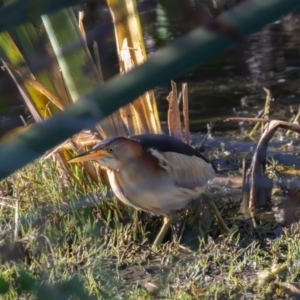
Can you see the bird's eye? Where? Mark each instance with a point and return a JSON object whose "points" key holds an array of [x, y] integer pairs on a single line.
{"points": [[110, 149]]}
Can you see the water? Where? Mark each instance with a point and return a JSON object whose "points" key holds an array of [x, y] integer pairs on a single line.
{"points": [[270, 59], [216, 89]]}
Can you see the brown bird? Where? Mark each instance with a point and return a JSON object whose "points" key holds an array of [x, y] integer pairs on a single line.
{"points": [[155, 173]]}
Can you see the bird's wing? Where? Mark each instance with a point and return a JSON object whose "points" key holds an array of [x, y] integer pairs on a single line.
{"points": [[188, 172], [165, 143]]}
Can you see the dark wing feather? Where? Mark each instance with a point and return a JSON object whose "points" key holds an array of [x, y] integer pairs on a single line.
{"points": [[166, 143], [108, 141]]}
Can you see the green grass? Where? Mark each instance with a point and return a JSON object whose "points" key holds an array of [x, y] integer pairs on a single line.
{"points": [[74, 242]]}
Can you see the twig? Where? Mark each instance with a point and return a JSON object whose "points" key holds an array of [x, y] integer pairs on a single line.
{"points": [[185, 101], [240, 119], [295, 120], [266, 111]]}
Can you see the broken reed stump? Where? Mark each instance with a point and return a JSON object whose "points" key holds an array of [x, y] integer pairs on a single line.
{"points": [[174, 122], [174, 119]]}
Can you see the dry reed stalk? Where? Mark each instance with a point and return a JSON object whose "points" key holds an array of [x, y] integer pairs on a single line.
{"points": [[174, 123], [80, 24], [185, 102]]}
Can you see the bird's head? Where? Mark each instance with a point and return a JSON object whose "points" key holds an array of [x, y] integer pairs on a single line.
{"points": [[110, 153]]}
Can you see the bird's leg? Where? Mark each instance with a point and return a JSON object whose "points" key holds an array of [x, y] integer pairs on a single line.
{"points": [[176, 227], [162, 233], [215, 211]]}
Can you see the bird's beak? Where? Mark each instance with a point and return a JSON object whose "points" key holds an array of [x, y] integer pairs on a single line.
{"points": [[90, 155]]}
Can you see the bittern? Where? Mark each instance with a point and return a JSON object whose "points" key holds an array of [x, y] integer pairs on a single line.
{"points": [[155, 173]]}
